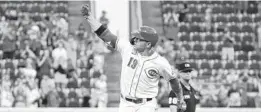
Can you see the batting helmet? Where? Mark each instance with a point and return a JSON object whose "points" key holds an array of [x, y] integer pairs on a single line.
{"points": [[147, 33]]}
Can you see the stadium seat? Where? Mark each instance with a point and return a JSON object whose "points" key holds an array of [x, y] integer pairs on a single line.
{"points": [[246, 47], [230, 65], [11, 7], [195, 27], [61, 9], [85, 83], [193, 55], [216, 2], [74, 103], [234, 28], [196, 37], [246, 18], [242, 56], [9, 64], [209, 37], [36, 17], [233, 18], [254, 65], [257, 18], [72, 83], [228, 2], [175, 47], [23, 8], [198, 47], [219, 47], [247, 28], [192, 2], [193, 10], [228, 9], [183, 28], [237, 38], [248, 38], [194, 65], [84, 74], [216, 9], [255, 57], [221, 18], [206, 74], [203, 9], [187, 46], [203, 55], [237, 47], [215, 56], [48, 8], [72, 94], [210, 47], [205, 65], [184, 37], [196, 18], [35, 8], [217, 65]]}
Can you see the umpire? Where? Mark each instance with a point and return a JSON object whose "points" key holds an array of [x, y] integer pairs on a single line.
{"points": [[190, 94]]}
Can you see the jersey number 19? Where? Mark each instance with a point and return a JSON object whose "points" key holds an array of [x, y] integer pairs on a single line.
{"points": [[132, 63]]}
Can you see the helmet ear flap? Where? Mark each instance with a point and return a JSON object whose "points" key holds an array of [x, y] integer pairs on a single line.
{"points": [[132, 41]]}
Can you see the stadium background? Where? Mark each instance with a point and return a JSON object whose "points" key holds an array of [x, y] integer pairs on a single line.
{"points": [[83, 69]]}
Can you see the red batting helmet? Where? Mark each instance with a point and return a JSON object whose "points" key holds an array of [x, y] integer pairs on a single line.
{"points": [[146, 33]]}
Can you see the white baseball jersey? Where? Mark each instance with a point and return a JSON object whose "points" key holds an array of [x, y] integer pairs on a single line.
{"points": [[140, 74]]}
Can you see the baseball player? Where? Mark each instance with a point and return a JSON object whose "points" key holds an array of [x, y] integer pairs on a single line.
{"points": [[191, 96], [142, 67]]}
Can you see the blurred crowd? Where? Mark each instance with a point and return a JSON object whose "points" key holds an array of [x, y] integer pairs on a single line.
{"points": [[42, 65], [226, 72]]}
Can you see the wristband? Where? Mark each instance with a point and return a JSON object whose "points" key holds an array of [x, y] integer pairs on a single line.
{"points": [[100, 30]]}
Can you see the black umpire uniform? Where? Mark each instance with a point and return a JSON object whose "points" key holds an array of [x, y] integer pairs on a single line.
{"points": [[191, 96]]}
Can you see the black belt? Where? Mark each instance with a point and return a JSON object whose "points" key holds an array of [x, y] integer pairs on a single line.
{"points": [[137, 100]]}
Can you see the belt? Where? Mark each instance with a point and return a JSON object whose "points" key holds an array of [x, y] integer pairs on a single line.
{"points": [[137, 100]]}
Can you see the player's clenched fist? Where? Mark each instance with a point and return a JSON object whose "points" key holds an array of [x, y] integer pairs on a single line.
{"points": [[86, 11], [181, 105]]}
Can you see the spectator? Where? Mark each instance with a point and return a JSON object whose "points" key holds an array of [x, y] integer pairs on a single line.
{"points": [[252, 8], [183, 9], [208, 19], [71, 46], [232, 76], [9, 46], [228, 48], [7, 98], [86, 97], [4, 25], [53, 98], [259, 35], [99, 93], [210, 99], [258, 96], [182, 55], [234, 96], [222, 96], [19, 93], [47, 84], [247, 46], [103, 19], [241, 6], [44, 65], [32, 94], [59, 53]]}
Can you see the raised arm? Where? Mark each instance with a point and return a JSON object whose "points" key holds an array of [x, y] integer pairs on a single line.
{"points": [[101, 31]]}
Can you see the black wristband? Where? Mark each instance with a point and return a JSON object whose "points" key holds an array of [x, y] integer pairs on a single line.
{"points": [[100, 30]]}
